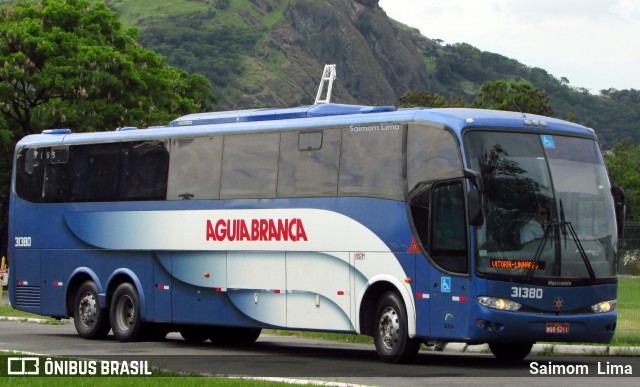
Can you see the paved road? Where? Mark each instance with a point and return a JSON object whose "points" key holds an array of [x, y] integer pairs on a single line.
{"points": [[275, 356]]}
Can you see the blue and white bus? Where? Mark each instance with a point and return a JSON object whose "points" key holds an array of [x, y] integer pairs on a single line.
{"points": [[411, 226]]}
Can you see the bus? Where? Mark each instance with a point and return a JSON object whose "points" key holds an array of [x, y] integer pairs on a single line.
{"points": [[407, 225]]}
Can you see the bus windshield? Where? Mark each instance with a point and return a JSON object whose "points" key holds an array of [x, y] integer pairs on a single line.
{"points": [[548, 208]]}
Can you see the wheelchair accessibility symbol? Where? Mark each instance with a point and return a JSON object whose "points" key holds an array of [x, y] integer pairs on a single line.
{"points": [[547, 142], [445, 284]]}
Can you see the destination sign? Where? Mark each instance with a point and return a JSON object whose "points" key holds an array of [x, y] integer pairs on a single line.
{"points": [[516, 264]]}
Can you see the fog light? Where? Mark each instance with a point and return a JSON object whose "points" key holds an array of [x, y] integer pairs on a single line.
{"points": [[483, 324]]}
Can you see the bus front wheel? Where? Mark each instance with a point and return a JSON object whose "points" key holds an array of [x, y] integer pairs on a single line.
{"points": [[391, 331], [90, 320], [510, 351], [124, 313]]}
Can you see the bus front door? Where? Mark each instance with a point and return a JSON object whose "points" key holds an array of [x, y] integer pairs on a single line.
{"points": [[448, 248]]}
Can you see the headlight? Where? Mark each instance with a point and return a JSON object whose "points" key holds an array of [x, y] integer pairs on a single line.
{"points": [[498, 303], [604, 306]]}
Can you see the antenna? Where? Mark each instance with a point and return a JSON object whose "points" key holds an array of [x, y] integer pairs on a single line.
{"points": [[518, 107], [328, 75]]}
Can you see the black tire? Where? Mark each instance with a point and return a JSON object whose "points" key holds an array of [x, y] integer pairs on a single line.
{"points": [[228, 335], [194, 334], [90, 320], [390, 332], [124, 314], [510, 351]]}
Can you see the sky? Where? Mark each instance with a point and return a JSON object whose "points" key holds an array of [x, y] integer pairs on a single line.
{"points": [[595, 44]]}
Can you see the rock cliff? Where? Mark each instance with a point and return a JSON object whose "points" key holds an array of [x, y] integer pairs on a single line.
{"points": [[376, 59]]}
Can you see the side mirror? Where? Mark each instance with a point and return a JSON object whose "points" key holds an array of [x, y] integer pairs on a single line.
{"points": [[474, 198], [474, 207], [620, 207], [475, 178]]}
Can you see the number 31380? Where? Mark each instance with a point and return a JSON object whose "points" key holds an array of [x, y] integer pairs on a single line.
{"points": [[23, 241], [520, 292]]}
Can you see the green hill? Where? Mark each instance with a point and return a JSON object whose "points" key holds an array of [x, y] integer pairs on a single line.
{"points": [[272, 52]]}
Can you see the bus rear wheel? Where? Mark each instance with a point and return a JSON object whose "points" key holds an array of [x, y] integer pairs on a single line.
{"points": [[124, 313], [90, 320], [391, 332], [510, 351]]}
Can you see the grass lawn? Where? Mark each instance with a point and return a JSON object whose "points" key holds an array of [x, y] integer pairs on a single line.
{"points": [[628, 328], [8, 311]]}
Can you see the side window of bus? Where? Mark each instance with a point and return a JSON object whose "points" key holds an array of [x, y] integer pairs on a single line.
{"points": [[433, 160], [448, 239], [30, 174], [119, 171], [94, 172], [250, 166], [97, 168], [371, 162], [432, 154], [195, 168], [58, 175], [144, 172], [309, 163]]}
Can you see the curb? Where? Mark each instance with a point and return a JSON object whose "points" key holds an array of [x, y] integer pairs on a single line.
{"points": [[24, 319], [33, 320], [552, 349]]}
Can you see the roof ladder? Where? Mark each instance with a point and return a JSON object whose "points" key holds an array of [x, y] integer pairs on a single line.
{"points": [[328, 75]]}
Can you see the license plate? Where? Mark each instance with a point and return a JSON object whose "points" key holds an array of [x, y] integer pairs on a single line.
{"points": [[557, 328]]}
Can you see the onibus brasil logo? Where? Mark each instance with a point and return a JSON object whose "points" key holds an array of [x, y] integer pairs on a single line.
{"points": [[36, 366]]}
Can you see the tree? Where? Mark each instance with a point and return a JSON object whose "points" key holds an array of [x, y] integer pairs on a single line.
{"points": [[498, 95], [513, 96], [68, 64], [623, 165], [65, 63], [415, 98]]}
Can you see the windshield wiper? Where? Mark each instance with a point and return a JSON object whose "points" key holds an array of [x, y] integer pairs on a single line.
{"points": [[563, 223], [539, 249], [567, 225]]}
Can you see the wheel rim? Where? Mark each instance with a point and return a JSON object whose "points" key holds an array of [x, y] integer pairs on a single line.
{"points": [[88, 310], [126, 313], [389, 328]]}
